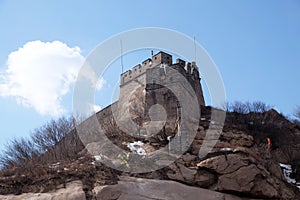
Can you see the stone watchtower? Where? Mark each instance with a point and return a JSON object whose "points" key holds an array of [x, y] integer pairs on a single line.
{"points": [[139, 89]]}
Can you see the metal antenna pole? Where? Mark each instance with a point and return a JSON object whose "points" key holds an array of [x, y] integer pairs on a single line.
{"points": [[195, 48], [122, 55]]}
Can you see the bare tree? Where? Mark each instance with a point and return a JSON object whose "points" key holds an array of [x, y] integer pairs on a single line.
{"points": [[55, 140], [47, 137], [239, 107], [246, 107], [18, 153], [226, 106], [259, 106], [297, 112], [296, 120]]}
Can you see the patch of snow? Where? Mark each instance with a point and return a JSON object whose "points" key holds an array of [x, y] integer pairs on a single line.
{"points": [[226, 149], [288, 167], [141, 152], [138, 143], [169, 138], [99, 158], [66, 169], [287, 170], [290, 180], [136, 147], [54, 165], [212, 122], [202, 118]]}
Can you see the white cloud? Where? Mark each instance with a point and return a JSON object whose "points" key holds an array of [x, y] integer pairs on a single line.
{"points": [[39, 74]]}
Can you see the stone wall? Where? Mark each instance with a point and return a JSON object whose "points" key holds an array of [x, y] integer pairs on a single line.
{"points": [[150, 83]]}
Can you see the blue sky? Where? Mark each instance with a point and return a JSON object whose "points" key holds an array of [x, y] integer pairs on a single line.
{"points": [[255, 44]]}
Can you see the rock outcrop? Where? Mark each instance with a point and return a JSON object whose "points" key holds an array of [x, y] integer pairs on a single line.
{"points": [[129, 188], [235, 165], [72, 191], [146, 189]]}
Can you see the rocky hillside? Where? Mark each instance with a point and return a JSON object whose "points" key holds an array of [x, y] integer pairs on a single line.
{"points": [[238, 167]]}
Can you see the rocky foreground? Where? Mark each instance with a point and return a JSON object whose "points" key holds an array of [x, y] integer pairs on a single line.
{"points": [[130, 188], [237, 167]]}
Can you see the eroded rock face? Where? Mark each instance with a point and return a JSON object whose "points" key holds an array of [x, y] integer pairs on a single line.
{"points": [[73, 191], [234, 171], [145, 189], [244, 180], [235, 165]]}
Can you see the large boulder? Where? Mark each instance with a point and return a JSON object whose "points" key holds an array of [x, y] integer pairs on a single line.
{"points": [[241, 174], [247, 180], [146, 189]]}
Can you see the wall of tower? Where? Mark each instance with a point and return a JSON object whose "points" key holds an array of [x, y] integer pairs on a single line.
{"points": [[138, 74], [151, 83]]}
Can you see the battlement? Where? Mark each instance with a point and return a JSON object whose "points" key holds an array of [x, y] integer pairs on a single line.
{"points": [[189, 69], [147, 80]]}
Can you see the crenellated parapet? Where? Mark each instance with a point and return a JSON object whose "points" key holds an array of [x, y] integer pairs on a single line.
{"points": [[190, 70]]}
